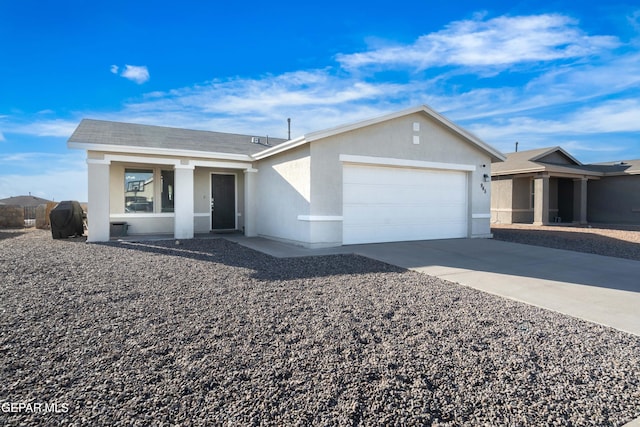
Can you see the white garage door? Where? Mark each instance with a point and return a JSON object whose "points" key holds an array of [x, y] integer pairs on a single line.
{"points": [[385, 204]]}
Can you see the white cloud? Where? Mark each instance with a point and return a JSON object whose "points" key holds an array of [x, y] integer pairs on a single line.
{"points": [[49, 175], [313, 99], [57, 185], [609, 117], [2, 138], [136, 73], [54, 127], [620, 115], [497, 43], [535, 106]]}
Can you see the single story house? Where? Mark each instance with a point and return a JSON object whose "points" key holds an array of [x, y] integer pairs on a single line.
{"points": [[549, 185], [25, 201], [410, 175]]}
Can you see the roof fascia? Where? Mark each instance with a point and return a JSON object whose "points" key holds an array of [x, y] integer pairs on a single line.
{"points": [[314, 136], [157, 151], [518, 171], [554, 171], [293, 143]]}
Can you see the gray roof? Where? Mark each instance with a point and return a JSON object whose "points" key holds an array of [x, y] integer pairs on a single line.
{"points": [[101, 132], [546, 160], [621, 167], [24, 201]]}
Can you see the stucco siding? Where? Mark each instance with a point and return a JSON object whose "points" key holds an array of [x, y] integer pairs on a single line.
{"points": [[501, 200], [522, 207], [116, 188], [614, 200], [511, 200], [146, 223], [283, 195]]}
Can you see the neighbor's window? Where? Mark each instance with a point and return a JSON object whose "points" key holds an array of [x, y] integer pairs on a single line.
{"points": [[533, 194], [138, 190], [167, 194]]}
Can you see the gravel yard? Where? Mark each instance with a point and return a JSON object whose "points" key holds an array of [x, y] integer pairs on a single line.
{"points": [[620, 242], [208, 332]]}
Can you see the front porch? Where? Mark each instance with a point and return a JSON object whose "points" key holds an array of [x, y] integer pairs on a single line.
{"points": [[559, 199], [175, 198], [540, 199]]}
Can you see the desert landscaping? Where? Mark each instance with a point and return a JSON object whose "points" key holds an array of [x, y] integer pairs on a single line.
{"points": [[207, 332]]}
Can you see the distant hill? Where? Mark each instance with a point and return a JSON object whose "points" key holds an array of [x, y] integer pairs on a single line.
{"points": [[24, 201]]}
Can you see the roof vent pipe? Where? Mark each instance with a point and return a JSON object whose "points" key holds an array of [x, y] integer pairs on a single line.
{"points": [[289, 128], [516, 146]]}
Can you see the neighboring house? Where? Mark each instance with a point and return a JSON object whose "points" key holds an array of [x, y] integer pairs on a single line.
{"points": [[25, 201], [549, 185], [411, 175], [29, 205]]}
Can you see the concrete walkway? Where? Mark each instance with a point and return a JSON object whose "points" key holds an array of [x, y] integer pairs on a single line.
{"points": [[600, 289]]}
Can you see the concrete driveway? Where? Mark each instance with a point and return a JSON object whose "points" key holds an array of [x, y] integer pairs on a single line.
{"points": [[600, 289]]}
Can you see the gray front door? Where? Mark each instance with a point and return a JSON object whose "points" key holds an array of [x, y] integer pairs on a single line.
{"points": [[223, 202]]}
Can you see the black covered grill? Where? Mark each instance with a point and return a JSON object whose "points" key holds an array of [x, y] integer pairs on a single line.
{"points": [[67, 220]]}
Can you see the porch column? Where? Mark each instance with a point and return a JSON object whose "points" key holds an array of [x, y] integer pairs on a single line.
{"points": [[98, 200], [580, 200], [183, 206], [250, 206], [541, 201]]}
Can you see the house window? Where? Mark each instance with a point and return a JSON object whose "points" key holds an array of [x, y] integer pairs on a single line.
{"points": [[532, 199], [138, 190], [167, 195]]}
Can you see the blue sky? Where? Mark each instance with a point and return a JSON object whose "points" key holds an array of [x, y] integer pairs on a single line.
{"points": [[542, 73]]}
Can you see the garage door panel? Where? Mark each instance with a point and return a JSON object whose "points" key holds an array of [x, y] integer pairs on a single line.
{"points": [[393, 204], [400, 216], [392, 194], [404, 233], [384, 193]]}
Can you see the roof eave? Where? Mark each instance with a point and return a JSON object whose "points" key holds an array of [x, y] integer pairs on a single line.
{"points": [[271, 151], [554, 171], [157, 151], [517, 171], [314, 136]]}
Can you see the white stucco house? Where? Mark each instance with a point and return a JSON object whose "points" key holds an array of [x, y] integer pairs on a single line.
{"points": [[411, 175]]}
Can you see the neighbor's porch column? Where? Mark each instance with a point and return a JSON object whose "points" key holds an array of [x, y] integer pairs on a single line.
{"points": [[183, 206], [541, 201], [250, 206], [98, 200], [580, 200]]}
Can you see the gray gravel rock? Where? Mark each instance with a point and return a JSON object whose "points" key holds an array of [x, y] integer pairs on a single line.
{"points": [[619, 243], [211, 333]]}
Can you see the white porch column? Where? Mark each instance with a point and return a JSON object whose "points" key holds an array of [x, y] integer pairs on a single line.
{"points": [[98, 201], [580, 200], [541, 201], [250, 206], [183, 205]]}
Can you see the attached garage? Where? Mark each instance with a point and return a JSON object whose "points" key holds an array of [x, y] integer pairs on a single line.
{"points": [[387, 204]]}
